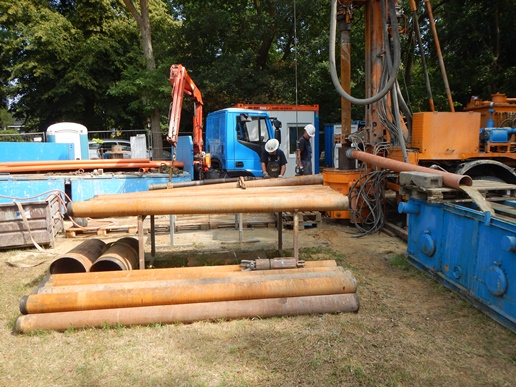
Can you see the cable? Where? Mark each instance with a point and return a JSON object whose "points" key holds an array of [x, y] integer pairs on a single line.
{"points": [[366, 198]]}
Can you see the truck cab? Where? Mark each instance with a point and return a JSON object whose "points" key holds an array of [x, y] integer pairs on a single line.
{"points": [[235, 139]]}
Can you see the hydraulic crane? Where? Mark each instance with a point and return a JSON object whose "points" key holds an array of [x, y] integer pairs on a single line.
{"points": [[182, 84]]}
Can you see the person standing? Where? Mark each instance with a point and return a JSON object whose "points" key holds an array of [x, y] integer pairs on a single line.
{"points": [[273, 160], [304, 151]]}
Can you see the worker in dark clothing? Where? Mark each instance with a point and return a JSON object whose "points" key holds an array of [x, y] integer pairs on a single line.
{"points": [[273, 160], [304, 152]]}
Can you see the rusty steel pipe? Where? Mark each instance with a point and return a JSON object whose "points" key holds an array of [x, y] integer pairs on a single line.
{"points": [[191, 291], [173, 193], [349, 284], [302, 200], [451, 180], [79, 259], [162, 274], [286, 181], [120, 255], [188, 313]]}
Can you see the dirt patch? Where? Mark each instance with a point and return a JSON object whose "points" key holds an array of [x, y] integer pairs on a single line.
{"points": [[409, 330]]}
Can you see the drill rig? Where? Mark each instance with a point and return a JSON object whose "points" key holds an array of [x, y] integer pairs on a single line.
{"points": [[478, 142], [467, 243]]}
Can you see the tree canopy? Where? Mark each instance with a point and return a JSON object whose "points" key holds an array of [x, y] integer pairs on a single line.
{"points": [[82, 61]]}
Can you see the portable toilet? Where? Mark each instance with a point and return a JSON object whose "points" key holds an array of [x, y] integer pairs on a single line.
{"points": [[70, 133]]}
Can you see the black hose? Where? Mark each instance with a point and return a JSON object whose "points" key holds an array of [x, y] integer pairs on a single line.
{"points": [[395, 67]]}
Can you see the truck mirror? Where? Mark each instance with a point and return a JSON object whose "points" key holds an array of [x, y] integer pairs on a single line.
{"points": [[245, 118], [277, 134], [276, 123]]}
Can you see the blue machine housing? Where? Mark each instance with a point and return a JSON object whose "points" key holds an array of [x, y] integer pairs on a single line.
{"points": [[467, 250]]}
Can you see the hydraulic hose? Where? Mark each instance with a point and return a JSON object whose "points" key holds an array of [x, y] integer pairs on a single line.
{"points": [[395, 68]]}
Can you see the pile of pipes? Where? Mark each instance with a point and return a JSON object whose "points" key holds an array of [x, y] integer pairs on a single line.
{"points": [[95, 255], [187, 294], [300, 193], [141, 165]]}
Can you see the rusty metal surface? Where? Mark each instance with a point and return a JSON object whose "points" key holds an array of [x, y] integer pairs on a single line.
{"points": [[164, 274], [194, 291], [299, 198], [171, 280], [79, 259], [120, 255], [187, 313], [451, 180]]}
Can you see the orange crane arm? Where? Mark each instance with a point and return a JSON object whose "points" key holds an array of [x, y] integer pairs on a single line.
{"points": [[182, 84]]}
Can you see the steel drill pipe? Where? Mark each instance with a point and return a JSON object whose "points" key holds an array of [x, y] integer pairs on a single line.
{"points": [[162, 274], [188, 313], [79, 259], [191, 291], [316, 189], [349, 283], [286, 181], [451, 180], [120, 255], [302, 200]]}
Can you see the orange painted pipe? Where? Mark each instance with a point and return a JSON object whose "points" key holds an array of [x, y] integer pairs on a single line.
{"points": [[79, 259], [349, 286], [188, 313], [302, 200], [161, 274], [191, 291], [451, 180]]}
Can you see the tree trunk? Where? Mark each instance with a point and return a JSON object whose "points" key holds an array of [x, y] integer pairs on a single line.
{"points": [[143, 21]]}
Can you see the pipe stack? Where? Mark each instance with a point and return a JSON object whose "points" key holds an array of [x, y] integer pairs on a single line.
{"points": [[96, 255], [142, 165], [214, 200], [185, 295]]}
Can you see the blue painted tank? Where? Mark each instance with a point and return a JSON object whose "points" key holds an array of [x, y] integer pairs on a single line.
{"points": [[470, 251]]}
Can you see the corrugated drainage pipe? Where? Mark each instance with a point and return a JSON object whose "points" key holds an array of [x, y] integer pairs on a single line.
{"points": [[79, 259], [120, 255]]}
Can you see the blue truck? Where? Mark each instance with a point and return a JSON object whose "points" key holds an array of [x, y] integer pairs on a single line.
{"points": [[235, 138]]}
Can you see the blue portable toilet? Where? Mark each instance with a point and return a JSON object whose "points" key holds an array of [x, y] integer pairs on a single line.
{"points": [[70, 133]]}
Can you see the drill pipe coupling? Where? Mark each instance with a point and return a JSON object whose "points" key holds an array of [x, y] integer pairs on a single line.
{"points": [[271, 264]]}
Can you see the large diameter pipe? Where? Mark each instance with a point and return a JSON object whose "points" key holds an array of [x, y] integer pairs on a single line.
{"points": [[79, 259], [451, 180], [188, 313], [120, 255], [349, 284], [190, 291], [301, 201], [164, 274]]}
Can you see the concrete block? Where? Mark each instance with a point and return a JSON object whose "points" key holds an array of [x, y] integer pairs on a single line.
{"points": [[421, 179]]}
